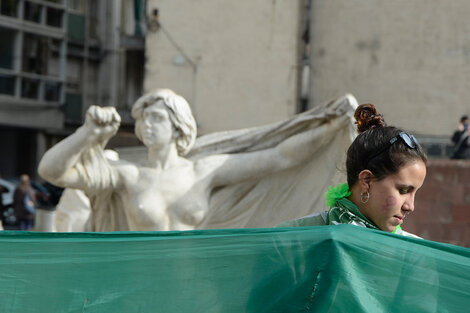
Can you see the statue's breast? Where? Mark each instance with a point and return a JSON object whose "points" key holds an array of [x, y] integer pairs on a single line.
{"points": [[172, 200], [188, 211], [147, 211]]}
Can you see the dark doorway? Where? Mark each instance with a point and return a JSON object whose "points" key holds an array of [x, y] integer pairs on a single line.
{"points": [[18, 152]]}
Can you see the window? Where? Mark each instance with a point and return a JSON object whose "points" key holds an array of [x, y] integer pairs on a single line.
{"points": [[41, 55], [54, 46], [77, 5], [76, 27], [35, 54], [52, 91], [7, 84], [73, 107], [32, 12], [32, 59], [93, 18], [30, 88], [7, 45], [9, 7], [54, 17]]}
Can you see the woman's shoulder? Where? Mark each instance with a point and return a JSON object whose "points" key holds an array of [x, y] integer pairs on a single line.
{"points": [[316, 219]]}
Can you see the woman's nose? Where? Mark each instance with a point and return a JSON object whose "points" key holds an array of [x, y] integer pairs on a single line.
{"points": [[409, 205]]}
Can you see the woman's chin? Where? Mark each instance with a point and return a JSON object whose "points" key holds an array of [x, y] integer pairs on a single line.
{"points": [[389, 227]]}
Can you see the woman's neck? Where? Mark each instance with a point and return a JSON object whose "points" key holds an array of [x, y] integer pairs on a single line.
{"points": [[355, 197]]}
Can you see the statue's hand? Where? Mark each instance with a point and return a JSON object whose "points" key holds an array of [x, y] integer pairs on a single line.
{"points": [[102, 122]]}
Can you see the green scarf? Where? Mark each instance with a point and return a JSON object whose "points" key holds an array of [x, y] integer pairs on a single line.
{"points": [[343, 211], [346, 212]]}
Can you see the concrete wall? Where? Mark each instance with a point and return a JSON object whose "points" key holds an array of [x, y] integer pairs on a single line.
{"points": [[244, 54], [411, 58], [442, 205]]}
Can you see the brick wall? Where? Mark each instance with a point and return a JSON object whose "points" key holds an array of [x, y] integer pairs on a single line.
{"points": [[442, 205]]}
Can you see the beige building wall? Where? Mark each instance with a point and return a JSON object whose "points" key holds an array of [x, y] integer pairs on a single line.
{"points": [[243, 58], [410, 58]]}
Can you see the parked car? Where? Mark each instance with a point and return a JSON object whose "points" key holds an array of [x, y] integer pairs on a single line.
{"points": [[7, 196], [47, 197], [55, 193], [43, 195], [8, 217]]}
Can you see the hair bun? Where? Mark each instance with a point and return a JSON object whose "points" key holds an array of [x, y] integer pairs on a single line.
{"points": [[367, 117]]}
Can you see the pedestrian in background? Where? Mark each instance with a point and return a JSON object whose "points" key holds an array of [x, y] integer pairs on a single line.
{"points": [[24, 202], [2, 205], [461, 140]]}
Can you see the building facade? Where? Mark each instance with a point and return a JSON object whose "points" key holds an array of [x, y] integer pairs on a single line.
{"points": [[236, 62], [410, 58], [239, 64], [249, 63], [58, 57]]}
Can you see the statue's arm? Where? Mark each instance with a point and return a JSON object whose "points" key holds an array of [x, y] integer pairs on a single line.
{"points": [[295, 150], [59, 165]]}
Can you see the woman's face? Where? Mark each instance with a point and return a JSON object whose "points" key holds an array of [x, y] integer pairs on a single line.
{"points": [[155, 127], [392, 198]]}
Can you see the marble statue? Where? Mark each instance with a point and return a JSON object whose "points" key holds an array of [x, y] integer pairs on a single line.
{"points": [[242, 178], [72, 213]]}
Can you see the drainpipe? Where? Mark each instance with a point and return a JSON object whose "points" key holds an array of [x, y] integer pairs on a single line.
{"points": [[115, 51], [304, 57], [85, 61]]}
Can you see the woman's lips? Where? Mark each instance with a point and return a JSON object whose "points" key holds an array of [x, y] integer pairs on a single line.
{"points": [[398, 218]]}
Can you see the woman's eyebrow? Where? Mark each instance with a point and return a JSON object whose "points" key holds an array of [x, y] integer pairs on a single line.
{"points": [[405, 186]]}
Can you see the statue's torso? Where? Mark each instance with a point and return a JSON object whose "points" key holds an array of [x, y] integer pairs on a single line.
{"points": [[153, 202]]}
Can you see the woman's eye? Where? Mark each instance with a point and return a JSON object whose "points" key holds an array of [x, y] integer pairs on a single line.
{"points": [[403, 190]]}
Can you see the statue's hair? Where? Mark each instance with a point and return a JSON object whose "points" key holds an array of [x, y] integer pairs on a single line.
{"points": [[94, 168], [180, 116]]}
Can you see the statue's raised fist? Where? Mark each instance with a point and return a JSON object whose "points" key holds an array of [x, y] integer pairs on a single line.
{"points": [[102, 122]]}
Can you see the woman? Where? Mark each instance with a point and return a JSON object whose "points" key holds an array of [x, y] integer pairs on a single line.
{"points": [[385, 168], [169, 191], [24, 202]]}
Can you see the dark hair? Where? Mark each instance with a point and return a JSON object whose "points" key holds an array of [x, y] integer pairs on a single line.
{"points": [[374, 134], [463, 118]]}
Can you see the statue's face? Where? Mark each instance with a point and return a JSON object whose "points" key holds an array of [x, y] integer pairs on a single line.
{"points": [[155, 127]]}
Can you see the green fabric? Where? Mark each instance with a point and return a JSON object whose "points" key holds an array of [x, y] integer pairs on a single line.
{"points": [[305, 269], [342, 212]]}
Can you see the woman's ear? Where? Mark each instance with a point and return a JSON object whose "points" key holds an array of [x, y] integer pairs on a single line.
{"points": [[364, 179]]}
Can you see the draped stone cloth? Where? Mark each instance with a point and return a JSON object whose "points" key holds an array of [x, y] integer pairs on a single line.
{"points": [[72, 211], [291, 193], [265, 201]]}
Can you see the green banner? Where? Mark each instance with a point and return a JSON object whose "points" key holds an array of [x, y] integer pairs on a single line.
{"points": [[340, 268]]}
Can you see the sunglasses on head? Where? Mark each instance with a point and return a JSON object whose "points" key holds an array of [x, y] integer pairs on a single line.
{"points": [[409, 140]]}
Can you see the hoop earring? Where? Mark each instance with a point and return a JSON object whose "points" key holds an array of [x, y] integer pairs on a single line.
{"points": [[365, 197]]}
